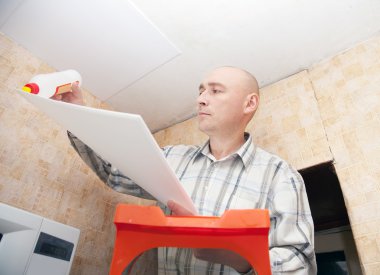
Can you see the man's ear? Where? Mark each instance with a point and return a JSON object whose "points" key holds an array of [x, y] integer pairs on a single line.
{"points": [[252, 103]]}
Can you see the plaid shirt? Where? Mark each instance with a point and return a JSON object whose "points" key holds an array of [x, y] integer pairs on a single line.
{"points": [[249, 178]]}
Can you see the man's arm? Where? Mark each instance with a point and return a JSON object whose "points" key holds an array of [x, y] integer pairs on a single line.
{"points": [[106, 172], [291, 235]]}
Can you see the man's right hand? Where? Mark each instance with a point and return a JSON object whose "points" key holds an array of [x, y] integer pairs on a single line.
{"points": [[75, 96]]}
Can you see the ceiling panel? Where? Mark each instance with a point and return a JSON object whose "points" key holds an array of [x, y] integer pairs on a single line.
{"points": [[126, 60], [7, 7], [111, 43], [273, 39]]}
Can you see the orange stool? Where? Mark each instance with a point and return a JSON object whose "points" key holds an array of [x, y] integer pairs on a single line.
{"points": [[140, 228]]}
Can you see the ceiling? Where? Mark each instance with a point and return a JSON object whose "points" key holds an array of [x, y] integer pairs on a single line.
{"points": [[148, 57]]}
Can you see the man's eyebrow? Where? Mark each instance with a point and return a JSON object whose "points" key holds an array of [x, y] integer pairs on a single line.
{"points": [[201, 86]]}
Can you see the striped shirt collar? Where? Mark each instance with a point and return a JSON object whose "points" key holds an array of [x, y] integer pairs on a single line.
{"points": [[245, 152]]}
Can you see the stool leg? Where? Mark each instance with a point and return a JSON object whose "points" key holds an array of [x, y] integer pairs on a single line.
{"points": [[255, 251], [127, 248]]}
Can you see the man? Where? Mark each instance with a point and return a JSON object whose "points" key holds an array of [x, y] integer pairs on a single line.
{"points": [[227, 172]]}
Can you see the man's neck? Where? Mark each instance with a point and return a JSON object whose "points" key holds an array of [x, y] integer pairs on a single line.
{"points": [[222, 146]]}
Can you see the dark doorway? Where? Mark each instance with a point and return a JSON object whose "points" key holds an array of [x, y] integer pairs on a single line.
{"points": [[325, 196], [334, 244]]}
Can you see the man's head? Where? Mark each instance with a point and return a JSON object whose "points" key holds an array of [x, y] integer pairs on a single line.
{"points": [[228, 98]]}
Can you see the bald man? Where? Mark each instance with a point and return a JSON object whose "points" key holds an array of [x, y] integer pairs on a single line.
{"points": [[227, 172]]}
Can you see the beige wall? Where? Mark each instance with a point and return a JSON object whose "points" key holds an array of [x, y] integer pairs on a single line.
{"points": [[331, 111], [41, 173], [347, 88]]}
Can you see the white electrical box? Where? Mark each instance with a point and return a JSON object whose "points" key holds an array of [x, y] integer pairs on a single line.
{"points": [[33, 245]]}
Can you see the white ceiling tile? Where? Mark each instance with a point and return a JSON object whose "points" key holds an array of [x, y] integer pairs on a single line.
{"points": [[272, 39], [7, 7], [110, 42]]}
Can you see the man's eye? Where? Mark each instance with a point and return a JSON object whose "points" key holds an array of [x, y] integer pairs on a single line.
{"points": [[214, 91]]}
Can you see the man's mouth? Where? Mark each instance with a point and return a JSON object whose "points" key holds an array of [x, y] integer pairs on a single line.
{"points": [[203, 113]]}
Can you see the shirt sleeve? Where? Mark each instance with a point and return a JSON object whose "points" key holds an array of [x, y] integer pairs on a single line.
{"points": [[291, 235], [109, 174]]}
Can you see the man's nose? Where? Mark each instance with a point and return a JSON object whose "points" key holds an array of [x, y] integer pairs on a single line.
{"points": [[202, 99]]}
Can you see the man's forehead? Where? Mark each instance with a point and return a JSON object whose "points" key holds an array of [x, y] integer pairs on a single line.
{"points": [[221, 78], [218, 77], [232, 77]]}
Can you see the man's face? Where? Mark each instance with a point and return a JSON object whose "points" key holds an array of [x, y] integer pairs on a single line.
{"points": [[221, 101]]}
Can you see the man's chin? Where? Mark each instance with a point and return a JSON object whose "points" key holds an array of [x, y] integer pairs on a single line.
{"points": [[201, 127], [204, 129]]}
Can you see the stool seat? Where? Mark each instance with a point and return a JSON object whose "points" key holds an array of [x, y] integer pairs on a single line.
{"points": [[140, 228]]}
